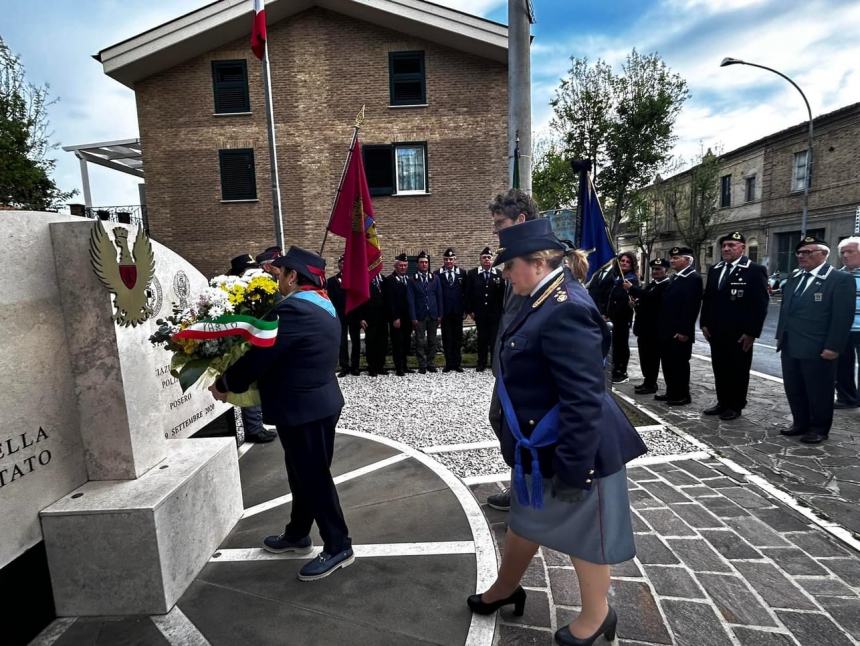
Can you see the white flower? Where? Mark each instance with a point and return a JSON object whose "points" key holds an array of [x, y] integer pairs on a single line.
{"points": [[213, 302]]}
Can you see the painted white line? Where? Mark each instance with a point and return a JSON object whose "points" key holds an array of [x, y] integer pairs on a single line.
{"points": [[53, 631], [834, 529], [246, 446], [283, 500], [483, 627], [765, 345], [487, 479], [752, 372], [470, 446], [372, 550], [660, 459], [178, 629], [651, 427]]}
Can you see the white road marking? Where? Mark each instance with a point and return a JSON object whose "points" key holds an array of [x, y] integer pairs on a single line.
{"points": [[470, 446], [371, 550], [178, 629], [53, 631], [752, 372], [486, 479]]}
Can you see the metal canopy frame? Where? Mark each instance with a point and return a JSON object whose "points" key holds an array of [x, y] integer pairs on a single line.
{"points": [[123, 155]]}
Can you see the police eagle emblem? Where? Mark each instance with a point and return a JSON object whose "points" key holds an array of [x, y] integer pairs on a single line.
{"points": [[127, 278]]}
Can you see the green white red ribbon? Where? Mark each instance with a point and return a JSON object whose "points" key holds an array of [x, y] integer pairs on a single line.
{"points": [[256, 331]]}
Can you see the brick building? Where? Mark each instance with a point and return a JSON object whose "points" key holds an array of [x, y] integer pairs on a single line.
{"points": [[434, 83], [761, 186]]}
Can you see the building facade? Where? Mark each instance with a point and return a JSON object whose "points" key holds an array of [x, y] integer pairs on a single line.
{"points": [[434, 138]]}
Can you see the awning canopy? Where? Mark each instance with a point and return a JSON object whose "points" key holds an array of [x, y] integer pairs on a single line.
{"points": [[122, 155]]}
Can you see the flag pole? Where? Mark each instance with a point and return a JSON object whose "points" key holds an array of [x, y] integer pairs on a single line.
{"points": [[356, 126], [273, 152]]}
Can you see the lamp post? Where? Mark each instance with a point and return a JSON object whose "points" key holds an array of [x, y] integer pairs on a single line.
{"points": [[736, 61]]}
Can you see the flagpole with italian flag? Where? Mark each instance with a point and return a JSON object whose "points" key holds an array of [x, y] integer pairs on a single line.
{"points": [[260, 47]]}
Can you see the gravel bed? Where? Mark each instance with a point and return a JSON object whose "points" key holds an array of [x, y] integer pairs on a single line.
{"points": [[480, 462], [665, 442]]}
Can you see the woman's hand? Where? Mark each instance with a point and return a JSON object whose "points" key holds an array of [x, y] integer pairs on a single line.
{"points": [[217, 394], [565, 493]]}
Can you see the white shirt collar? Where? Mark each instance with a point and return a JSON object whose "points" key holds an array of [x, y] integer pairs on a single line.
{"points": [[555, 272], [822, 268]]}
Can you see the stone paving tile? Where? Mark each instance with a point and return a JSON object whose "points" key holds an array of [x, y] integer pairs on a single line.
{"points": [[793, 561], [555, 558], [564, 586], [781, 519], [730, 545], [735, 600], [756, 532], [521, 636], [845, 611], [678, 477], [774, 587], [698, 555], [813, 628], [627, 569], [746, 498], [816, 544], [697, 491], [637, 522], [666, 522], [825, 586], [537, 611], [725, 508], [641, 499], [638, 615], [695, 624], [651, 550], [665, 492], [673, 582], [696, 468], [695, 515], [752, 637], [535, 575]]}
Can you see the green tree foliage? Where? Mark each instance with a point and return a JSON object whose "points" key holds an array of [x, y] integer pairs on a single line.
{"points": [[554, 183], [25, 170], [624, 122]]}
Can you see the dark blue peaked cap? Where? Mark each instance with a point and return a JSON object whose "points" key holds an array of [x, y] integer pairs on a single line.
{"points": [[525, 238], [307, 263]]}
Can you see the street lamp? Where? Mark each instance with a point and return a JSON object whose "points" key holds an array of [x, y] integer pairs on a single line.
{"points": [[736, 61]]}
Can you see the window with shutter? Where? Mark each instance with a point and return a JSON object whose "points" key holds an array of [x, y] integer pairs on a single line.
{"points": [[407, 83], [379, 168], [238, 180], [726, 190], [230, 85]]}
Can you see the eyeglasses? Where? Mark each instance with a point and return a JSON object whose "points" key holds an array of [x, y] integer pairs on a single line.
{"points": [[806, 252]]}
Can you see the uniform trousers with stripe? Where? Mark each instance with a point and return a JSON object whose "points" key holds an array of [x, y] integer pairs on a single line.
{"points": [[731, 367]]}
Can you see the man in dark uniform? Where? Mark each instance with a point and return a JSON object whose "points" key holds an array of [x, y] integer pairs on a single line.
{"points": [[301, 397], [265, 259], [425, 311], [645, 325], [400, 323], [334, 287], [376, 332], [452, 289], [485, 291], [814, 320], [734, 307], [677, 326]]}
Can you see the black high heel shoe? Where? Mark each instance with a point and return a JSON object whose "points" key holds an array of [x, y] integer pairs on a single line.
{"points": [[517, 597], [564, 637]]}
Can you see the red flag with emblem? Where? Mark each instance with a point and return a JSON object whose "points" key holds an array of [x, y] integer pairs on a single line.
{"points": [[352, 218], [258, 29]]}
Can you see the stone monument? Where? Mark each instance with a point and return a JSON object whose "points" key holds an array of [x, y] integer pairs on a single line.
{"points": [[94, 453]]}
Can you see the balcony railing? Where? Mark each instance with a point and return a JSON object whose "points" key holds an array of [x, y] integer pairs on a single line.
{"points": [[127, 214]]}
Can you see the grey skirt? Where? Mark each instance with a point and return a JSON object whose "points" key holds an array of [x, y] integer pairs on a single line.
{"points": [[597, 529]]}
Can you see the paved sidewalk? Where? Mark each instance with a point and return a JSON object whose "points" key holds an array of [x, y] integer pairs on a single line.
{"points": [[826, 477]]}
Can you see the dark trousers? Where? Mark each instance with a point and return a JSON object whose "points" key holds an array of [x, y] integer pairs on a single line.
{"points": [[344, 345], [252, 420], [308, 451], [376, 345], [488, 328], [401, 338], [809, 389], [731, 370], [452, 340], [847, 370], [675, 357], [354, 328], [649, 359], [620, 345]]}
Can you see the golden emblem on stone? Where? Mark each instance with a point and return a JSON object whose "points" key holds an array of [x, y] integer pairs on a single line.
{"points": [[127, 277]]}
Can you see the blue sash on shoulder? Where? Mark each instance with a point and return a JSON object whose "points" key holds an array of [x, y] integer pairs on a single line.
{"points": [[544, 434], [317, 299]]}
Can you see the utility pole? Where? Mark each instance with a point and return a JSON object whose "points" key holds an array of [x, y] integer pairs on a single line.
{"points": [[519, 90]]}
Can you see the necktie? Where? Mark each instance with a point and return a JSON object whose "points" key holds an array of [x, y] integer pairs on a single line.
{"points": [[450, 277], [801, 286], [727, 269], [486, 275]]}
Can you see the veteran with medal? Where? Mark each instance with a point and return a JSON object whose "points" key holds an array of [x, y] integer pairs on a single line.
{"points": [[562, 433]]}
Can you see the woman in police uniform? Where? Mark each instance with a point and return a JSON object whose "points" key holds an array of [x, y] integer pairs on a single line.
{"points": [[562, 433]]}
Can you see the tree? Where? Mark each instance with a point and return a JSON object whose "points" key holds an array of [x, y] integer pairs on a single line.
{"points": [[645, 217], [624, 122], [25, 170], [554, 183]]}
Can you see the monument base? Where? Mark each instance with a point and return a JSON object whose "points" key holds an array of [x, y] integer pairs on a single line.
{"points": [[132, 547]]}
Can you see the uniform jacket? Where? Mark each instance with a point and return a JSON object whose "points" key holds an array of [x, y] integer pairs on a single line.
{"points": [[397, 297], [484, 297], [740, 307], [818, 319], [552, 353], [681, 302], [375, 310], [648, 302], [296, 376], [425, 298], [453, 295], [337, 295]]}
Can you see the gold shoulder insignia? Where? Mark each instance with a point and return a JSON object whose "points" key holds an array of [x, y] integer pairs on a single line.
{"points": [[561, 298], [548, 291]]}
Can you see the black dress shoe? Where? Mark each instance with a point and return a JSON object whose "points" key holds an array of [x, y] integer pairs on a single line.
{"points": [[840, 405], [480, 369], [400, 373], [792, 431], [517, 597], [716, 409], [422, 371], [644, 389], [458, 369], [371, 373], [660, 398], [729, 414], [446, 369], [343, 373], [679, 402], [564, 637], [355, 373], [813, 437], [431, 368]]}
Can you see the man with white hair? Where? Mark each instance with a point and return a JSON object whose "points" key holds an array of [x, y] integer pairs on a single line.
{"points": [[818, 306], [846, 386]]}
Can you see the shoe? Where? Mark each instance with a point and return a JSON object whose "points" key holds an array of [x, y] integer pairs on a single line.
{"points": [[431, 369], [813, 437], [355, 373], [326, 564], [400, 373], [517, 597], [262, 437], [458, 369], [564, 637], [500, 501], [446, 369], [792, 431], [343, 373], [280, 544], [422, 371], [371, 373], [679, 402], [716, 409], [729, 414], [409, 371], [620, 379], [660, 398], [480, 369], [644, 389], [840, 405]]}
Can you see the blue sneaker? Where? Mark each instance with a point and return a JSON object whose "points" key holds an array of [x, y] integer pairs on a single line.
{"points": [[326, 564], [280, 544]]}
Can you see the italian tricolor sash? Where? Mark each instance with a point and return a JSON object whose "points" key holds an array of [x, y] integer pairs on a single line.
{"points": [[256, 331]]}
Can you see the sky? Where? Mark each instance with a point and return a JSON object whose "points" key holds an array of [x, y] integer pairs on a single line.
{"points": [[812, 41]]}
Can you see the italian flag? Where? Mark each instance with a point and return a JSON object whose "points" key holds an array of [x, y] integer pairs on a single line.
{"points": [[258, 29], [257, 332]]}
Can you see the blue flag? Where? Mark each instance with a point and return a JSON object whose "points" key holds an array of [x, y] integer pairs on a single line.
{"points": [[595, 237]]}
